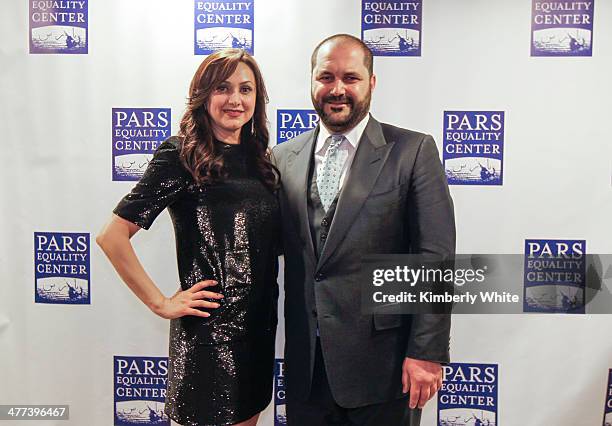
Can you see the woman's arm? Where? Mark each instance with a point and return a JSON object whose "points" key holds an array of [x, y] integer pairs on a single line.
{"points": [[114, 240]]}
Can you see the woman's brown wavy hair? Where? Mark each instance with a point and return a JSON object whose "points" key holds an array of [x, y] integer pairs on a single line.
{"points": [[199, 154]]}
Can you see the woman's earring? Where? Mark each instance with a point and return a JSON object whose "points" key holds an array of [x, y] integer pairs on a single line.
{"points": [[252, 127]]}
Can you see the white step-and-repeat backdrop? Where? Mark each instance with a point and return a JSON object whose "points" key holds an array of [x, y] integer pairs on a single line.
{"points": [[517, 94]]}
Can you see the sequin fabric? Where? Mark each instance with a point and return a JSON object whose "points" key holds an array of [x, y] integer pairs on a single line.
{"points": [[221, 367]]}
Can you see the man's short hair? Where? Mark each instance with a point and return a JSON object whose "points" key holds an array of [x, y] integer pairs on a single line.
{"points": [[368, 57]]}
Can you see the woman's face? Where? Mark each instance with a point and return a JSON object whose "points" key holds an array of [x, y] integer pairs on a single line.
{"points": [[232, 102]]}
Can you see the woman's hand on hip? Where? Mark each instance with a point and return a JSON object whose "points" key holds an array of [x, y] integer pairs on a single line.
{"points": [[186, 302]]}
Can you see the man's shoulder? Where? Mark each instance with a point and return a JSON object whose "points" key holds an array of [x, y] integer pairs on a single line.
{"points": [[403, 136], [295, 144], [408, 143]]}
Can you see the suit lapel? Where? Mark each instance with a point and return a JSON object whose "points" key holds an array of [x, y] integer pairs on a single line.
{"points": [[372, 152], [298, 166]]}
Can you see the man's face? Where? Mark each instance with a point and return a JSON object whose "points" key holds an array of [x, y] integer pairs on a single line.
{"points": [[341, 86]]}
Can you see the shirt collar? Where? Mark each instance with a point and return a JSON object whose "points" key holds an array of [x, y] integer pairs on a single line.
{"points": [[353, 135]]}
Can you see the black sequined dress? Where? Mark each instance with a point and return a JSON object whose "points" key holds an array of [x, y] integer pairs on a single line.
{"points": [[221, 367]]}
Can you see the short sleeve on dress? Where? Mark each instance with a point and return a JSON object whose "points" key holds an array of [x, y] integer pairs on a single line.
{"points": [[161, 185]]}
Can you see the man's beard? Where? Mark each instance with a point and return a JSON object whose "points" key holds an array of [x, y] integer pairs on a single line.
{"points": [[357, 112]]}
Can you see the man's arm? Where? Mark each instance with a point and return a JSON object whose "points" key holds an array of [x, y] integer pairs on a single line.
{"points": [[280, 250], [432, 231]]}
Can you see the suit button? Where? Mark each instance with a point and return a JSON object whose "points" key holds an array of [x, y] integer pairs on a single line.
{"points": [[314, 313], [323, 237], [324, 222], [319, 277]]}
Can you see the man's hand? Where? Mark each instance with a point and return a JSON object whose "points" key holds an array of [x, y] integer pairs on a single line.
{"points": [[422, 379]]}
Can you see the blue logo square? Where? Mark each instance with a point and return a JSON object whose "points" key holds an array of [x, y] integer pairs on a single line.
{"points": [[392, 27], [280, 412], [473, 147], [562, 28], [468, 395], [59, 26], [223, 24], [608, 408], [137, 133], [555, 276], [62, 268], [292, 122], [140, 390]]}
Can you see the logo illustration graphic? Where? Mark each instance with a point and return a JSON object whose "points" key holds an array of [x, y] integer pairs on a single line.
{"points": [[555, 276], [392, 27], [137, 132], [468, 396], [140, 389], [222, 24], [607, 421], [62, 271], [474, 147], [280, 416], [562, 28], [292, 122], [58, 26]]}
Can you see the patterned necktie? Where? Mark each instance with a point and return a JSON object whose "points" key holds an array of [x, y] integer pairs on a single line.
{"points": [[328, 181]]}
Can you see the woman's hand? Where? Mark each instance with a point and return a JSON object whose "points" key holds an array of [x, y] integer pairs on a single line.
{"points": [[115, 242], [185, 302]]}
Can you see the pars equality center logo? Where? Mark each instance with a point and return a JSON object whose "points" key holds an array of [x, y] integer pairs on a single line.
{"points": [[136, 134], [555, 276], [280, 411], [292, 122], [607, 421], [562, 28], [62, 268], [223, 24], [473, 147], [391, 27], [59, 26], [468, 395], [140, 390]]}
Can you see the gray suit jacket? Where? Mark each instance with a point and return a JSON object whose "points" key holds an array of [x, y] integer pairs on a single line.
{"points": [[395, 199]]}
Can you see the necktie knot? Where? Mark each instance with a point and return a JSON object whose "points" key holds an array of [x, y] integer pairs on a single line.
{"points": [[336, 140]]}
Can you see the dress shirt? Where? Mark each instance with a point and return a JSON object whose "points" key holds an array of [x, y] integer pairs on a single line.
{"points": [[349, 144]]}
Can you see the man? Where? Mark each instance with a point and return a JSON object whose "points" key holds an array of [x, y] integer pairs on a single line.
{"points": [[352, 187]]}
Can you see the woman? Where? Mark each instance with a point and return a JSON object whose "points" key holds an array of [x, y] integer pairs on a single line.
{"points": [[218, 186]]}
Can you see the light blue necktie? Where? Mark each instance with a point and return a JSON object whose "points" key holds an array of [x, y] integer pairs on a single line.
{"points": [[328, 181]]}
